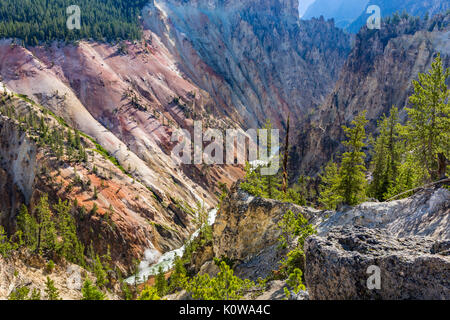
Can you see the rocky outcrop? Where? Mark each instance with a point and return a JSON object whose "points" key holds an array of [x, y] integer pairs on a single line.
{"points": [[426, 214], [407, 239], [246, 231], [411, 268], [416, 8], [255, 58], [23, 269], [377, 75]]}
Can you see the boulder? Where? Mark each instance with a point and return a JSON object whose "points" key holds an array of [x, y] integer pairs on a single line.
{"points": [[337, 265]]}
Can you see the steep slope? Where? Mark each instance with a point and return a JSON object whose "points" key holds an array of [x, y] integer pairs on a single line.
{"points": [[344, 12], [255, 58], [417, 8], [123, 101], [376, 76], [129, 218], [407, 238]]}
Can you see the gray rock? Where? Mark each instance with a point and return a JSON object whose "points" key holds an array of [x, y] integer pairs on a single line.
{"points": [[411, 268], [247, 232], [425, 214]]}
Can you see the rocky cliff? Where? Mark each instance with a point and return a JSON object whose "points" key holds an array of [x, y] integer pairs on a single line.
{"points": [[407, 239], [338, 266], [246, 231], [377, 75], [255, 58], [130, 217]]}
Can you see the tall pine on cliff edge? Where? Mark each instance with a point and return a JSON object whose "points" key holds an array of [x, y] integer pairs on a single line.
{"points": [[428, 127]]}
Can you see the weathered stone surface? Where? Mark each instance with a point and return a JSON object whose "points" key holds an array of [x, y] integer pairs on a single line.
{"points": [[426, 213], [275, 291], [377, 75], [411, 268], [247, 232], [255, 58], [25, 269]]}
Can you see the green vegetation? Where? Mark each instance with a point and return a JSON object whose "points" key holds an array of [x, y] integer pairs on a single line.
{"points": [[346, 183], [161, 283], [48, 233], [23, 293], [42, 20], [294, 227], [60, 141], [51, 232], [225, 286], [91, 292], [63, 142], [51, 291], [428, 128], [404, 156], [6, 245], [149, 293]]}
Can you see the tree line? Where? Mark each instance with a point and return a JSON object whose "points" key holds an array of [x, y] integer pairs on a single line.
{"points": [[403, 156], [42, 20]]}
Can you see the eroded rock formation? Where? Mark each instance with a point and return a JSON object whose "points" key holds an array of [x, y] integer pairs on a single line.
{"points": [[411, 268]]}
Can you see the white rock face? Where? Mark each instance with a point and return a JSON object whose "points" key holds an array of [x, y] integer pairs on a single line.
{"points": [[424, 214]]}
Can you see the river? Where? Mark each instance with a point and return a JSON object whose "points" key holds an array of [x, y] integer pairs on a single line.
{"points": [[154, 260]]}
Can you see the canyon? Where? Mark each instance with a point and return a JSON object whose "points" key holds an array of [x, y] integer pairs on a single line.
{"points": [[231, 65]]}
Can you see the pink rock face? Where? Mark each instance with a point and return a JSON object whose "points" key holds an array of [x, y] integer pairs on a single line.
{"points": [[125, 102]]}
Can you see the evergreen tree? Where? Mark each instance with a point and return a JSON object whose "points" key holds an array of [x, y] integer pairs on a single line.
{"points": [[6, 247], [91, 292], [178, 276], [225, 286], [28, 227], [100, 272], [253, 181], [50, 290], [428, 126], [149, 293], [70, 248], [329, 187], [387, 156], [161, 282], [352, 180], [286, 158], [46, 228], [271, 183]]}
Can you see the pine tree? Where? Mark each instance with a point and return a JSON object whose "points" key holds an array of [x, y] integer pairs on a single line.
{"points": [[428, 126], [46, 227], [271, 183], [352, 180], [6, 247], [70, 248], [253, 181], [178, 276], [91, 292], [329, 187], [100, 272], [286, 157], [50, 290], [28, 226], [387, 156], [161, 282], [149, 293]]}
